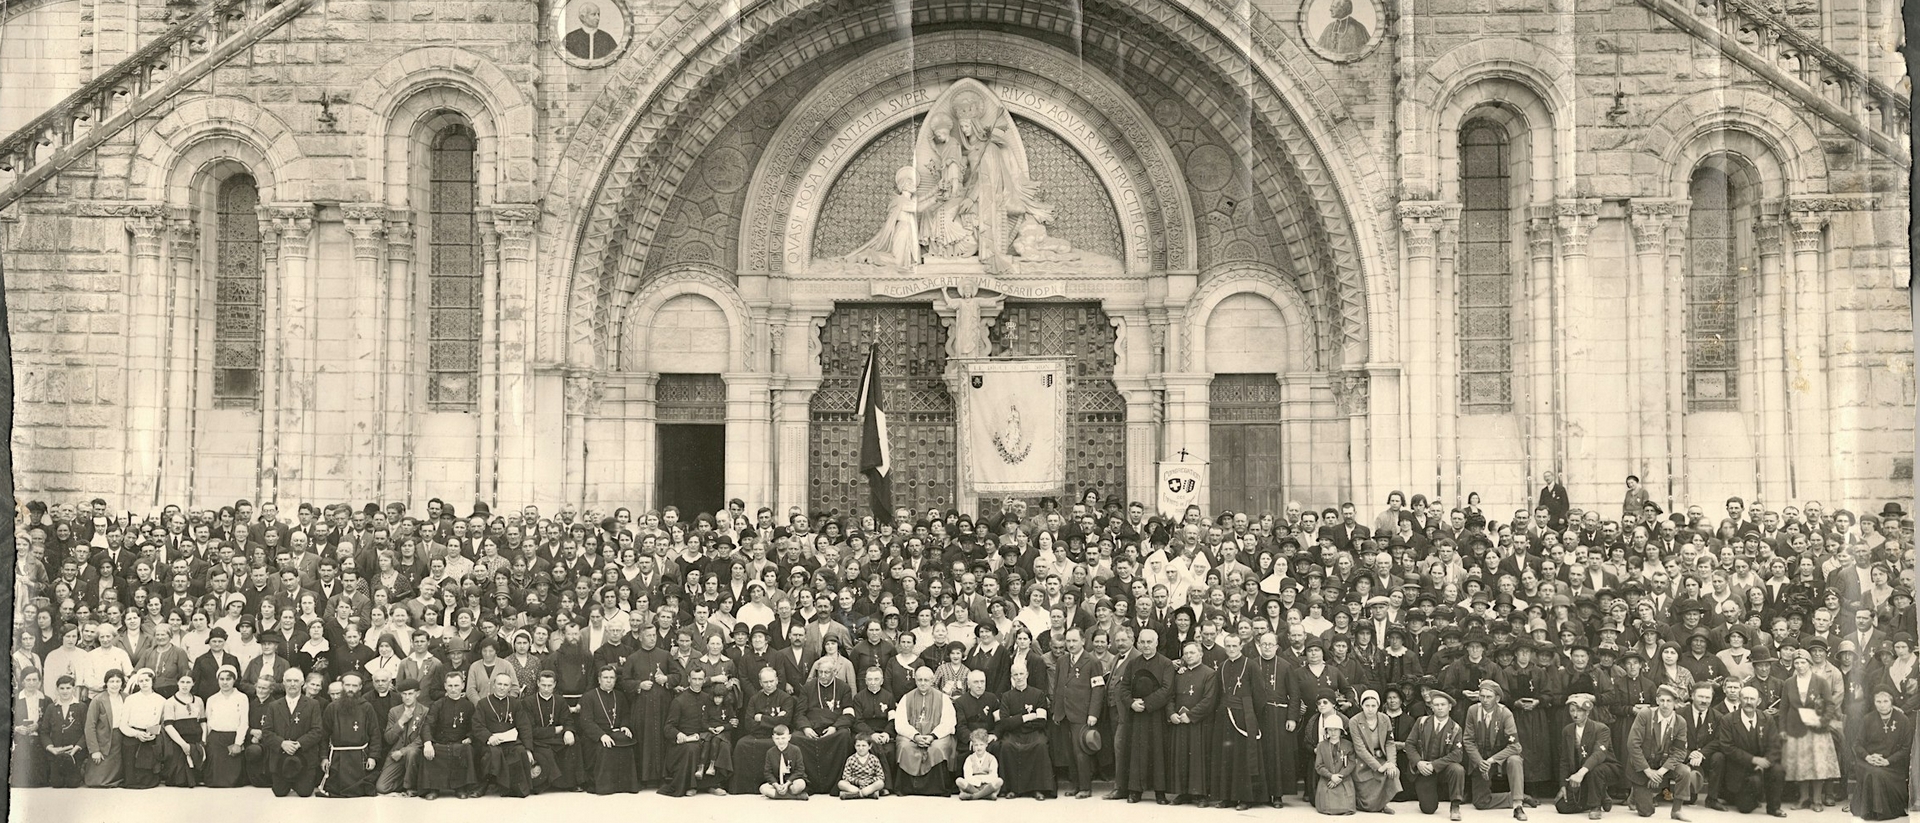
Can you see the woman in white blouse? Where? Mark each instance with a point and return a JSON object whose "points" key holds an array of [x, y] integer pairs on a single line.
{"points": [[140, 718]]}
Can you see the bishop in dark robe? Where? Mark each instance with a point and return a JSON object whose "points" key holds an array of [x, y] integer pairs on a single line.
{"points": [[1144, 686], [1190, 729], [499, 735], [1237, 730]]}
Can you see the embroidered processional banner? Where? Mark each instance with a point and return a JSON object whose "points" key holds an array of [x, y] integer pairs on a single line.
{"points": [[1013, 426]]}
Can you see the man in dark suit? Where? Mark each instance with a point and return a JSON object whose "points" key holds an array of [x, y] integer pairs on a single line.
{"points": [[1553, 496], [1703, 733], [1587, 760], [1657, 754], [292, 738], [1750, 745], [588, 42], [793, 664], [1079, 690]]}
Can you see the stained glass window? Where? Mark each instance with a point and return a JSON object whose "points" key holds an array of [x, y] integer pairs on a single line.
{"points": [[238, 302], [453, 282], [1714, 266], [1485, 272]]}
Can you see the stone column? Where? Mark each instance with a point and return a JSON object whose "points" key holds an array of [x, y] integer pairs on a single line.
{"points": [[486, 479], [294, 401], [273, 347], [184, 311], [583, 396], [1446, 322], [1143, 446], [642, 446], [1419, 223], [1806, 358], [1771, 357], [1579, 411], [1673, 304], [1541, 411], [1352, 397], [396, 362], [1647, 355], [749, 436], [366, 226], [1384, 424], [145, 368], [514, 223], [798, 360]]}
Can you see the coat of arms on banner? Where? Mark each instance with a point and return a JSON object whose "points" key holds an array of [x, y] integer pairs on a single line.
{"points": [[1012, 432]]}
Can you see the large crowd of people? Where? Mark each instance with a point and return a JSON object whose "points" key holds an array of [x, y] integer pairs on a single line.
{"points": [[1427, 652]]}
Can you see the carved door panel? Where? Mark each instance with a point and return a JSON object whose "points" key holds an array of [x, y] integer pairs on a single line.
{"points": [[1244, 432], [919, 410], [1096, 413]]}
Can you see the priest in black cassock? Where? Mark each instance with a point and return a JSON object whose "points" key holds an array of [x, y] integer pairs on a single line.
{"points": [[1026, 767], [448, 758], [873, 719], [976, 709], [686, 735], [1190, 730], [1236, 729], [766, 708], [643, 677], [556, 754], [1280, 711], [499, 735], [606, 719], [823, 729], [1144, 686]]}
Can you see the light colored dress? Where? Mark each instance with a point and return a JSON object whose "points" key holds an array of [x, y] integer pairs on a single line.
{"points": [[1331, 758], [1373, 747]]}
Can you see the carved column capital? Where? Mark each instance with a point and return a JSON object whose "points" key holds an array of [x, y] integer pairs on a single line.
{"points": [[1540, 232], [1650, 219], [1419, 224], [584, 391], [1575, 220], [1768, 230], [1808, 227], [514, 223], [366, 223], [1351, 392], [399, 230], [148, 224], [183, 234], [292, 223]]}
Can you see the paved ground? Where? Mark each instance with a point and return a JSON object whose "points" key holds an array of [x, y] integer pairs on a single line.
{"points": [[202, 805]]}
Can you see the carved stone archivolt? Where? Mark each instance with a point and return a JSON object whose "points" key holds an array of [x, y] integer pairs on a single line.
{"points": [[605, 239]]}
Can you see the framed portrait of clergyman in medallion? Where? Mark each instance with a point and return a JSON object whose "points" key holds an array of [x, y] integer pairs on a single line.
{"points": [[591, 33], [1341, 30]]}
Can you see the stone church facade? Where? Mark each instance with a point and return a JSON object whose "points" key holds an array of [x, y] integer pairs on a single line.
{"points": [[527, 252]]}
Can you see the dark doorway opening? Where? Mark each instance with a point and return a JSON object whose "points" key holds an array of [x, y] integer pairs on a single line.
{"points": [[692, 467]]}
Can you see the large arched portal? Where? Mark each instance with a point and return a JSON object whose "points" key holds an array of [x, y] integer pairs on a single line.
{"points": [[1166, 159]]}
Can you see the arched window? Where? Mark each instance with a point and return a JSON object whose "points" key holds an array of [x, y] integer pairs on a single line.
{"points": [[1485, 270], [1718, 257], [238, 302], [453, 273]]}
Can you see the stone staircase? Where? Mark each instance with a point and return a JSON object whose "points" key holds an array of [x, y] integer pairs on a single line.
{"points": [[134, 88], [1798, 64]]}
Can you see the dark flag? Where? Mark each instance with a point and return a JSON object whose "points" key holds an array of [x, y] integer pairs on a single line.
{"points": [[876, 461]]}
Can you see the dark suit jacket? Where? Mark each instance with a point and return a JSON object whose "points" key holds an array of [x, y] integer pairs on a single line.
{"points": [[301, 724], [1589, 751], [1742, 746], [1704, 737], [1648, 749]]}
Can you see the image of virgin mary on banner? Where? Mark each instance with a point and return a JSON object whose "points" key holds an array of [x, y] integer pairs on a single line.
{"points": [[1013, 426]]}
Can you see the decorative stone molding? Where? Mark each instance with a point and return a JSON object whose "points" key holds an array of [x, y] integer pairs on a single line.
{"points": [[1832, 203], [366, 223], [183, 234]]}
